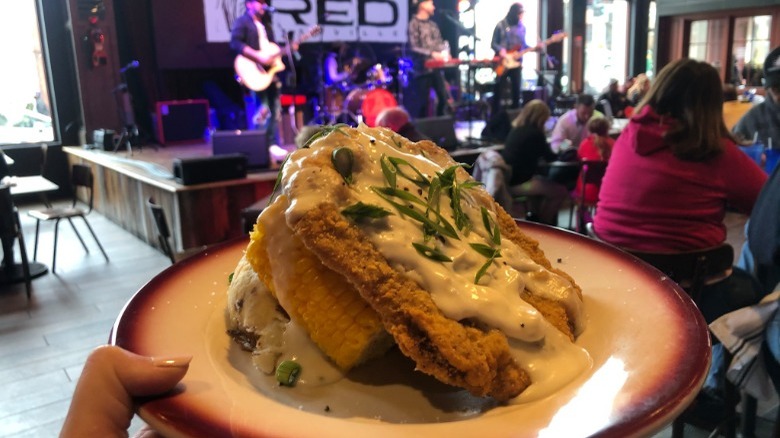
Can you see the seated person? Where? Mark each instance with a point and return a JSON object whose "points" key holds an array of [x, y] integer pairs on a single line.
{"points": [[570, 130], [763, 119], [669, 182], [397, 119], [525, 146], [733, 109], [7, 228], [638, 89], [571, 127], [617, 100], [596, 147]]}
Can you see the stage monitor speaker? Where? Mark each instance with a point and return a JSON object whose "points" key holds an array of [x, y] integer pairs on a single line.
{"points": [[253, 144], [182, 121], [441, 130], [202, 170], [103, 139]]}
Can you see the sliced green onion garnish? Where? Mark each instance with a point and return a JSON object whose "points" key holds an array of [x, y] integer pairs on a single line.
{"points": [[431, 253], [343, 160], [287, 372], [361, 210]]}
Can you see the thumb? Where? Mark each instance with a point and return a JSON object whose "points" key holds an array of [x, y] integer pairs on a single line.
{"points": [[102, 403]]}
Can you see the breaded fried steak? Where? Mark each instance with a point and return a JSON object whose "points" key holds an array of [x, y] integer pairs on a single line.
{"points": [[403, 241]]}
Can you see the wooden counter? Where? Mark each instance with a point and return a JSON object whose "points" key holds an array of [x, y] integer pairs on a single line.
{"points": [[197, 215]]}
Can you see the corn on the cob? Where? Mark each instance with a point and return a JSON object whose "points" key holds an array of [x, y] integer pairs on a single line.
{"points": [[331, 310]]}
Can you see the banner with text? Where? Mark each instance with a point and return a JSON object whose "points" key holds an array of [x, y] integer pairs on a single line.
{"points": [[381, 21]]}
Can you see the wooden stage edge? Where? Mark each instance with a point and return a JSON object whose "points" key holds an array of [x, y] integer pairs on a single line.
{"points": [[198, 215]]}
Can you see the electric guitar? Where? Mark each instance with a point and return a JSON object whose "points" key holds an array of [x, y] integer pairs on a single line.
{"points": [[258, 77], [512, 58]]}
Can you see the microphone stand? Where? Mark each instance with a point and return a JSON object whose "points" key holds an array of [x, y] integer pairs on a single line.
{"points": [[292, 82], [321, 113]]}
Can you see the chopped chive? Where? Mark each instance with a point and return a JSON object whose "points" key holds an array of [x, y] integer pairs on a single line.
{"points": [[431, 253], [491, 226], [230, 278], [360, 211], [421, 180], [444, 228], [482, 270], [406, 196], [485, 250]]}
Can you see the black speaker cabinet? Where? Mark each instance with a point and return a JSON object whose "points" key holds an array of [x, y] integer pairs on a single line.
{"points": [[209, 169], [250, 143], [103, 139], [182, 121]]}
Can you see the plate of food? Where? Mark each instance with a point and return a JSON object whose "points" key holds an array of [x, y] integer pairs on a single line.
{"points": [[384, 293]]}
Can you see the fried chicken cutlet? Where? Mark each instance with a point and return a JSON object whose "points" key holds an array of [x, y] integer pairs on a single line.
{"points": [[446, 270]]}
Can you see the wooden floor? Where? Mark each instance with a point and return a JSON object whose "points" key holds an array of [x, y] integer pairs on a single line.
{"points": [[43, 343]]}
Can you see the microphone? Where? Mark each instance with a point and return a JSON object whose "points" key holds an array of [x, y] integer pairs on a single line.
{"points": [[132, 64], [269, 9]]}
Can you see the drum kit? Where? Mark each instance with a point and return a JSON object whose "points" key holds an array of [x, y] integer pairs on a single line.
{"points": [[363, 95]]}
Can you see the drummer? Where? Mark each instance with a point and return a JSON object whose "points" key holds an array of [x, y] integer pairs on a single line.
{"points": [[337, 72]]}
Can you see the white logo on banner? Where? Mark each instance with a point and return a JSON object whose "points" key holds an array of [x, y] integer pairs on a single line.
{"points": [[382, 21]]}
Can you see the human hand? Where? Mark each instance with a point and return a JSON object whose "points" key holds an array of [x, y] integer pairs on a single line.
{"points": [[102, 403]]}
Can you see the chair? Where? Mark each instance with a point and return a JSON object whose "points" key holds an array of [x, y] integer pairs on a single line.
{"points": [[161, 224], [81, 177], [10, 230], [692, 270], [592, 173]]}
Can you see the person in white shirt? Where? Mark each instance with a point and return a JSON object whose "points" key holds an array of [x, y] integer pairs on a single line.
{"points": [[572, 127]]}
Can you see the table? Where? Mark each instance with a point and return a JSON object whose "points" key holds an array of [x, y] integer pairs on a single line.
{"points": [[25, 185]]}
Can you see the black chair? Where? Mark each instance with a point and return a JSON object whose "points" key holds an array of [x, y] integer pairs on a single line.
{"points": [[81, 178], [161, 224], [592, 173], [693, 270], [10, 231]]}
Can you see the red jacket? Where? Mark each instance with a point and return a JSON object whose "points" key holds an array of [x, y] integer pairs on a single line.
{"points": [[589, 151], [652, 201]]}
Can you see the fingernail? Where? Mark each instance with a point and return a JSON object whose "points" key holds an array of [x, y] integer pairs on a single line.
{"points": [[171, 362]]}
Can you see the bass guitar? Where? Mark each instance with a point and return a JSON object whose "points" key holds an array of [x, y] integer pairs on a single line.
{"points": [[513, 57], [256, 76]]}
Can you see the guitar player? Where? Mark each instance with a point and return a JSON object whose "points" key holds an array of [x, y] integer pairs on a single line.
{"points": [[252, 37], [426, 43], [508, 39]]}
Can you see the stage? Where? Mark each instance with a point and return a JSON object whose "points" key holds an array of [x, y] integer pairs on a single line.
{"points": [[198, 214]]}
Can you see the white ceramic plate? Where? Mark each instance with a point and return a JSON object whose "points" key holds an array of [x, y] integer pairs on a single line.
{"points": [[649, 346]]}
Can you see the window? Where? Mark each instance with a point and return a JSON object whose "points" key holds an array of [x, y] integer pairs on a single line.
{"points": [[606, 40], [750, 48], [651, 41], [706, 42], [25, 107]]}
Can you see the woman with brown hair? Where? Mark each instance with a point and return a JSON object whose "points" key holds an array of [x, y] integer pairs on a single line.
{"points": [[675, 167], [674, 170], [524, 147]]}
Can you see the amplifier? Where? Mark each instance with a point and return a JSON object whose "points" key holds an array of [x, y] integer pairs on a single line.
{"points": [[209, 169], [182, 121], [103, 139]]}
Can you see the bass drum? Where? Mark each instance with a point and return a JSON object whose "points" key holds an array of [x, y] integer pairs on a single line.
{"points": [[369, 103]]}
